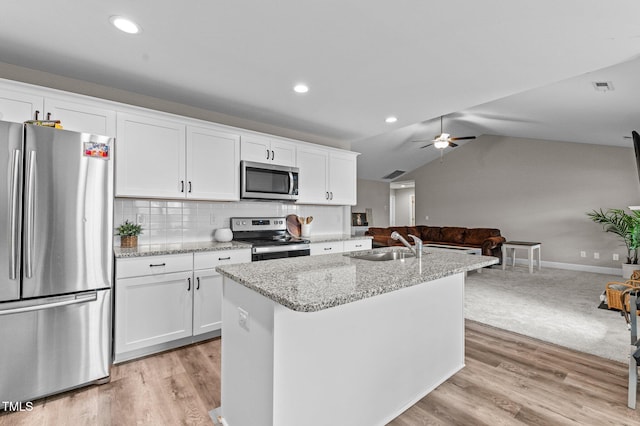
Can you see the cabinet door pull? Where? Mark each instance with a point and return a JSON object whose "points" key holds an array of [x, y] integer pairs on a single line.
{"points": [[331, 195], [189, 281], [189, 186], [273, 155], [37, 114], [327, 248], [152, 265], [267, 153], [224, 258], [358, 245], [181, 186], [48, 116], [198, 281], [326, 195]]}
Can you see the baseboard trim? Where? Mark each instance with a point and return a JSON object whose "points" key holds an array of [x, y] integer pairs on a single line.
{"points": [[568, 266]]}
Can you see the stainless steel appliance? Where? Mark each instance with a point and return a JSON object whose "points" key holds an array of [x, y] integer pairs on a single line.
{"points": [[269, 237], [268, 181], [56, 260]]}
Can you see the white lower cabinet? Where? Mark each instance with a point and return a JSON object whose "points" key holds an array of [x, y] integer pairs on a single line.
{"points": [[207, 296], [340, 246], [355, 245], [162, 302], [326, 248]]}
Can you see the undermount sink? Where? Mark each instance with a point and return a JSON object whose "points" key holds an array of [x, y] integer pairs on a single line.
{"points": [[387, 255]]}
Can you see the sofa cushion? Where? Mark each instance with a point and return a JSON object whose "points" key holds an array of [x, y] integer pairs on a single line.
{"points": [[476, 236], [373, 231], [430, 233], [452, 234]]}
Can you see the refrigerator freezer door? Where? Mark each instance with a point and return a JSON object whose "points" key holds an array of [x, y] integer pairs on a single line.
{"points": [[53, 344], [10, 209], [68, 212]]}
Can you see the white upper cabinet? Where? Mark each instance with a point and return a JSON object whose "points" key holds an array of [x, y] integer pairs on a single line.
{"points": [[326, 176], [342, 178], [265, 150], [213, 164], [18, 106], [312, 179], [150, 157], [81, 117]]}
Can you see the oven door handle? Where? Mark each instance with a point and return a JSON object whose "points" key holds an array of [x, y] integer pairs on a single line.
{"points": [[277, 249]]}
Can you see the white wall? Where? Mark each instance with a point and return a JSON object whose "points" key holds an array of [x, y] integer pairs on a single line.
{"points": [[532, 190], [373, 195], [191, 221]]}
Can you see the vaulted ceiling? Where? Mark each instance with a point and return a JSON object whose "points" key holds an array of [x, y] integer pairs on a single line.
{"points": [[363, 61]]}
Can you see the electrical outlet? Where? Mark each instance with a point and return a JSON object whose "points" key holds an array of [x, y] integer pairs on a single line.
{"points": [[596, 255], [616, 256], [583, 254], [243, 318], [140, 218]]}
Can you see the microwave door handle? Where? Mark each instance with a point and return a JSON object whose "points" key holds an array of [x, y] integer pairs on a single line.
{"points": [[290, 183]]}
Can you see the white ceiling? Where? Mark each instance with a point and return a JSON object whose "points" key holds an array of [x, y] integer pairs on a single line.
{"points": [[363, 60]]}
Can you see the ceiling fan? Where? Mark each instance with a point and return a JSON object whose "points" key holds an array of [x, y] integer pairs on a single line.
{"points": [[444, 140]]}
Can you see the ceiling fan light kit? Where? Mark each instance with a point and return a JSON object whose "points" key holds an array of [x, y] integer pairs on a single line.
{"points": [[441, 144], [444, 140]]}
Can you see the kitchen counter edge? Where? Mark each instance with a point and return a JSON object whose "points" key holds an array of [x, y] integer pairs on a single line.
{"points": [[176, 248]]}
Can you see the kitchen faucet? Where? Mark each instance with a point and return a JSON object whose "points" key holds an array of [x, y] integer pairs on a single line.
{"points": [[417, 250]]}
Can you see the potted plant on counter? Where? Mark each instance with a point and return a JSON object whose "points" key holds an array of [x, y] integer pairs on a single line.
{"points": [[128, 233], [627, 227]]}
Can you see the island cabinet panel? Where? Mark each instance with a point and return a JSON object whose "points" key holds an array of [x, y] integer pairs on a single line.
{"points": [[266, 150], [150, 157], [284, 364], [213, 164]]}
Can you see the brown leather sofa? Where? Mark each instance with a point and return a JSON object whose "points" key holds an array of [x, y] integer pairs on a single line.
{"points": [[487, 239]]}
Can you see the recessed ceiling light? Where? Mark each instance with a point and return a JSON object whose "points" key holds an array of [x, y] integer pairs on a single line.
{"points": [[391, 119], [125, 25], [301, 88]]}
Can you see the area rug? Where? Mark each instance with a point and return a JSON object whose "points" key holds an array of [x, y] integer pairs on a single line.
{"points": [[554, 305]]}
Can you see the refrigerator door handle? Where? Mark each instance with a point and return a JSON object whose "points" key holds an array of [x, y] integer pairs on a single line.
{"points": [[29, 217], [48, 303], [13, 220]]}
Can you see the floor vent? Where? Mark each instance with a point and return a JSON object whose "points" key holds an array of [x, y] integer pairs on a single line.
{"points": [[394, 174]]}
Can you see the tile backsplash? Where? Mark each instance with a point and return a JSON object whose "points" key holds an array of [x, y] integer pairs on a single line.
{"points": [[190, 221]]}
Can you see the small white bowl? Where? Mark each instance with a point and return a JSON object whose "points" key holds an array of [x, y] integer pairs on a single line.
{"points": [[223, 235]]}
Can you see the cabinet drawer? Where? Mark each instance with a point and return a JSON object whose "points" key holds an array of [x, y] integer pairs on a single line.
{"points": [[152, 265], [326, 248], [355, 245], [212, 259]]}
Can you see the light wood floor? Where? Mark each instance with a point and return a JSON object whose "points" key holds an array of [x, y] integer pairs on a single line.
{"points": [[509, 379]]}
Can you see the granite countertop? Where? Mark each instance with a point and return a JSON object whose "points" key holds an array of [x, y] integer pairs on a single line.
{"points": [[314, 283], [177, 248], [337, 237]]}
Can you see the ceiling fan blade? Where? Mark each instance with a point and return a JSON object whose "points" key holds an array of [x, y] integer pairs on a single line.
{"points": [[426, 146], [462, 138], [453, 145]]}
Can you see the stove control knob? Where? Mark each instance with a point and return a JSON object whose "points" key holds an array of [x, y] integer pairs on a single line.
{"points": [[237, 222], [244, 222]]}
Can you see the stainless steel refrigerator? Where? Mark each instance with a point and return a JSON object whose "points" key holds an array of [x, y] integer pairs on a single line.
{"points": [[56, 260]]}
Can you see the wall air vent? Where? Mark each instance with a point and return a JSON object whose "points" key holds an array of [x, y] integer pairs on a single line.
{"points": [[602, 86], [394, 174]]}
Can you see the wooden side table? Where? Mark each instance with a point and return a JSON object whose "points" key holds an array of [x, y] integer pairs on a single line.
{"points": [[527, 245]]}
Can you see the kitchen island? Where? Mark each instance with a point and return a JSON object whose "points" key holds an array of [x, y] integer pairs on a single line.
{"points": [[337, 339]]}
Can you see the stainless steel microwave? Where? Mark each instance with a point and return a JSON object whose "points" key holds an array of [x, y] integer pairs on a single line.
{"points": [[268, 181]]}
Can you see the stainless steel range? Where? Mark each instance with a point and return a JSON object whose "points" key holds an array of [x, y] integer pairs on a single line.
{"points": [[269, 237]]}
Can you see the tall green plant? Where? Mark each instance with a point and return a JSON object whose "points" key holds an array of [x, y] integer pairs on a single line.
{"points": [[625, 225]]}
